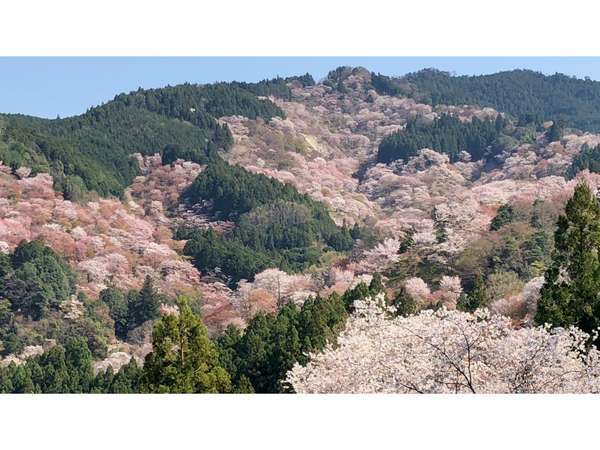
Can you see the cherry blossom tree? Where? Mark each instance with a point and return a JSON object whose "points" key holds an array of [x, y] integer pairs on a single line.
{"points": [[447, 351]]}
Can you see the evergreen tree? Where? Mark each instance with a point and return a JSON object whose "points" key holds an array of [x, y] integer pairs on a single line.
{"points": [[571, 293], [359, 292], [376, 285], [587, 158], [149, 301], [35, 279], [441, 234], [447, 134], [524, 94], [143, 305], [555, 132], [183, 358], [117, 306], [126, 380], [405, 305], [504, 216], [407, 241], [78, 361], [477, 298], [500, 123]]}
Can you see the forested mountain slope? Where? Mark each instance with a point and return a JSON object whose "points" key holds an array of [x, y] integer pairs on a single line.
{"points": [[91, 152], [525, 94], [268, 218]]}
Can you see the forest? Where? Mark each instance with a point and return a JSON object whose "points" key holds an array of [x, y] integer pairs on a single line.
{"points": [[573, 101], [91, 152], [447, 135], [253, 360], [275, 225], [587, 159], [323, 241]]}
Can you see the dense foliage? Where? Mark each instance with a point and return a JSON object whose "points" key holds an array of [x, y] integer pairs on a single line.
{"points": [[34, 279], [587, 158], [570, 295], [450, 352], [67, 369], [574, 101], [271, 344], [504, 216], [132, 309], [59, 370], [185, 360], [275, 225], [265, 224], [210, 250], [92, 151], [385, 85], [277, 87], [518, 244], [446, 135]]}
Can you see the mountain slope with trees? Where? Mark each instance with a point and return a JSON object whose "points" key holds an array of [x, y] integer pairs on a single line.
{"points": [[521, 93], [91, 152], [275, 224], [262, 228], [447, 135]]}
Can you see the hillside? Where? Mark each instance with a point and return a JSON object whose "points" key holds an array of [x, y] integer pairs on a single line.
{"points": [[91, 152], [278, 212], [524, 94]]}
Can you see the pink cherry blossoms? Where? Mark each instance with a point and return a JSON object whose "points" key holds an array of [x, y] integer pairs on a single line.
{"points": [[448, 293]]}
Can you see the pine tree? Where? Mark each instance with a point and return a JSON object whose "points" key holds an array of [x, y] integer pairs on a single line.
{"points": [[78, 360], [441, 234], [477, 298], [500, 123], [570, 295], [149, 301], [143, 305], [118, 309], [504, 216]]}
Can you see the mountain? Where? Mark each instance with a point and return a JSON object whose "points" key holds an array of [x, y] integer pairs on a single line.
{"points": [[91, 152], [272, 210]]}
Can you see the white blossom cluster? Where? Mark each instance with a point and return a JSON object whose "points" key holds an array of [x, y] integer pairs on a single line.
{"points": [[447, 351]]}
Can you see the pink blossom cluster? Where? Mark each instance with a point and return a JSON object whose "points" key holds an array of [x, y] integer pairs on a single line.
{"points": [[107, 241], [447, 294]]}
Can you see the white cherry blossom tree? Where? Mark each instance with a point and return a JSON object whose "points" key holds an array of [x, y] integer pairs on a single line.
{"points": [[449, 352]]}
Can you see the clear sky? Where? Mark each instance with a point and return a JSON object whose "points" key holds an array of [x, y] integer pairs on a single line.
{"points": [[65, 86]]}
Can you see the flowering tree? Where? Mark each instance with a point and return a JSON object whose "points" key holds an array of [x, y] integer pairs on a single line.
{"points": [[418, 290], [447, 294], [448, 352], [272, 288]]}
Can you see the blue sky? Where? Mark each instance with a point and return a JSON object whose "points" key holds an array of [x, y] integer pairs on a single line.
{"points": [[65, 86]]}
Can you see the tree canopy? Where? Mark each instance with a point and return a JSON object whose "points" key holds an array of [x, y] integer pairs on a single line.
{"points": [[35, 279], [446, 134], [570, 295], [91, 151], [588, 158], [573, 101], [275, 224], [183, 358]]}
